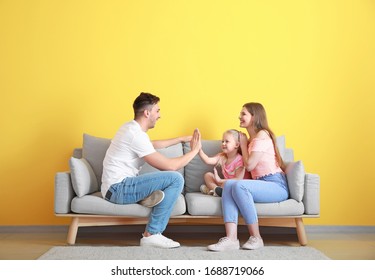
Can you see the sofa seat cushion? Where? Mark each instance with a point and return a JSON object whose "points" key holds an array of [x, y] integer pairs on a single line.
{"points": [[199, 204], [94, 204]]}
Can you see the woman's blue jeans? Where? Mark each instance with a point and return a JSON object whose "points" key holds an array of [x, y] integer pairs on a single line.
{"points": [[134, 189], [239, 196]]}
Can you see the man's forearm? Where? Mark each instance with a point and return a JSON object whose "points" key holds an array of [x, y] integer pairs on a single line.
{"points": [[159, 144]]}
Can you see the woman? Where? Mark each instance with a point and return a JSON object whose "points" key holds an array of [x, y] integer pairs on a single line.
{"points": [[268, 184]]}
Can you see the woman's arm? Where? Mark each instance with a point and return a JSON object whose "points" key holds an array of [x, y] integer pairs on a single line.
{"points": [[250, 160]]}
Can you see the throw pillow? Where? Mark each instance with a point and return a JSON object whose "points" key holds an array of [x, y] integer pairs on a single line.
{"points": [[93, 150], [83, 177], [295, 174]]}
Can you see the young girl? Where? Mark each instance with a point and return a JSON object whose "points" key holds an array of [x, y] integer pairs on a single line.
{"points": [[230, 161]]}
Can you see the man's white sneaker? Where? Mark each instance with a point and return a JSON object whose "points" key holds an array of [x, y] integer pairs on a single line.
{"points": [[159, 240], [253, 243], [224, 244]]}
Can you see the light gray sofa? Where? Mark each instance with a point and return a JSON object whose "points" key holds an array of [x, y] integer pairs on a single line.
{"points": [[77, 192]]}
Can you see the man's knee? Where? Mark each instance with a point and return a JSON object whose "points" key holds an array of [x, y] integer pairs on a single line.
{"points": [[177, 179]]}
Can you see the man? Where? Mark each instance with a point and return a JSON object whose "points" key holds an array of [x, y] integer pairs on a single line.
{"points": [[129, 150]]}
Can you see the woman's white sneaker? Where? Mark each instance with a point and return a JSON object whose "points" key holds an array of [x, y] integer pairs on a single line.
{"points": [[253, 243], [224, 244], [159, 240]]}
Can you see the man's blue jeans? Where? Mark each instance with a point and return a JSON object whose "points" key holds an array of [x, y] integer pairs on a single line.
{"points": [[239, 196], [134, 189]]}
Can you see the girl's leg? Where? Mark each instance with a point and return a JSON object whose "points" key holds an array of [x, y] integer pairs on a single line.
{"points": [[210, 180]]}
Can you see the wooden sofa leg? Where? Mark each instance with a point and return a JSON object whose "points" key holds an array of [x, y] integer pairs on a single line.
{"points": [[302, 238], [73, 229]]}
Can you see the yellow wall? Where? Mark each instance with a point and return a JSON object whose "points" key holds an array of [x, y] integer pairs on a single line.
{"points": [[69, 67]]}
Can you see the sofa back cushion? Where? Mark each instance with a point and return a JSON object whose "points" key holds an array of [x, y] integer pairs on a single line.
{"points": [[169, 152], [280, 142], [95, 148]]}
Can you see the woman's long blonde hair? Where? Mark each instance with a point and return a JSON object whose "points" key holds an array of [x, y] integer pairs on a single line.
{"points": [[259, 122]]}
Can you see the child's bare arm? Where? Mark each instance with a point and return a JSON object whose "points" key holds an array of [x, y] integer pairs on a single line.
{"points": [[209, 160], [218, 180]]}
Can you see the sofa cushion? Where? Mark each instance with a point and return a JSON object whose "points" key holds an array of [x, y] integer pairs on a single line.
{"points": [[295, 174], [93, 150], [83, 177], [199, 204], [96, 205]]}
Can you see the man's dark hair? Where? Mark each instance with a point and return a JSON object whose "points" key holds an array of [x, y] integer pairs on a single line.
{"points": [[143, 101]]}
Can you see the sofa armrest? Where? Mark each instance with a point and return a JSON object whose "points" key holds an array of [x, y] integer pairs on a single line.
{"points": [[311, 197], [64, 192]]}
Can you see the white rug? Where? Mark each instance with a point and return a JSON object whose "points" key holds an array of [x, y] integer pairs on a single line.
{"points": [[182, 253]]}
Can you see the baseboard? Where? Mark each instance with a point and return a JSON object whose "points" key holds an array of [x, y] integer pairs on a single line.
{"points": [[340, 229]]}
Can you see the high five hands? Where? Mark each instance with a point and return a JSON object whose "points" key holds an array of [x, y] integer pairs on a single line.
{"points": [[195, 142]]}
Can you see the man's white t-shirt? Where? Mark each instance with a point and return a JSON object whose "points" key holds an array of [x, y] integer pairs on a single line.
{"points": [[124, 157]]}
